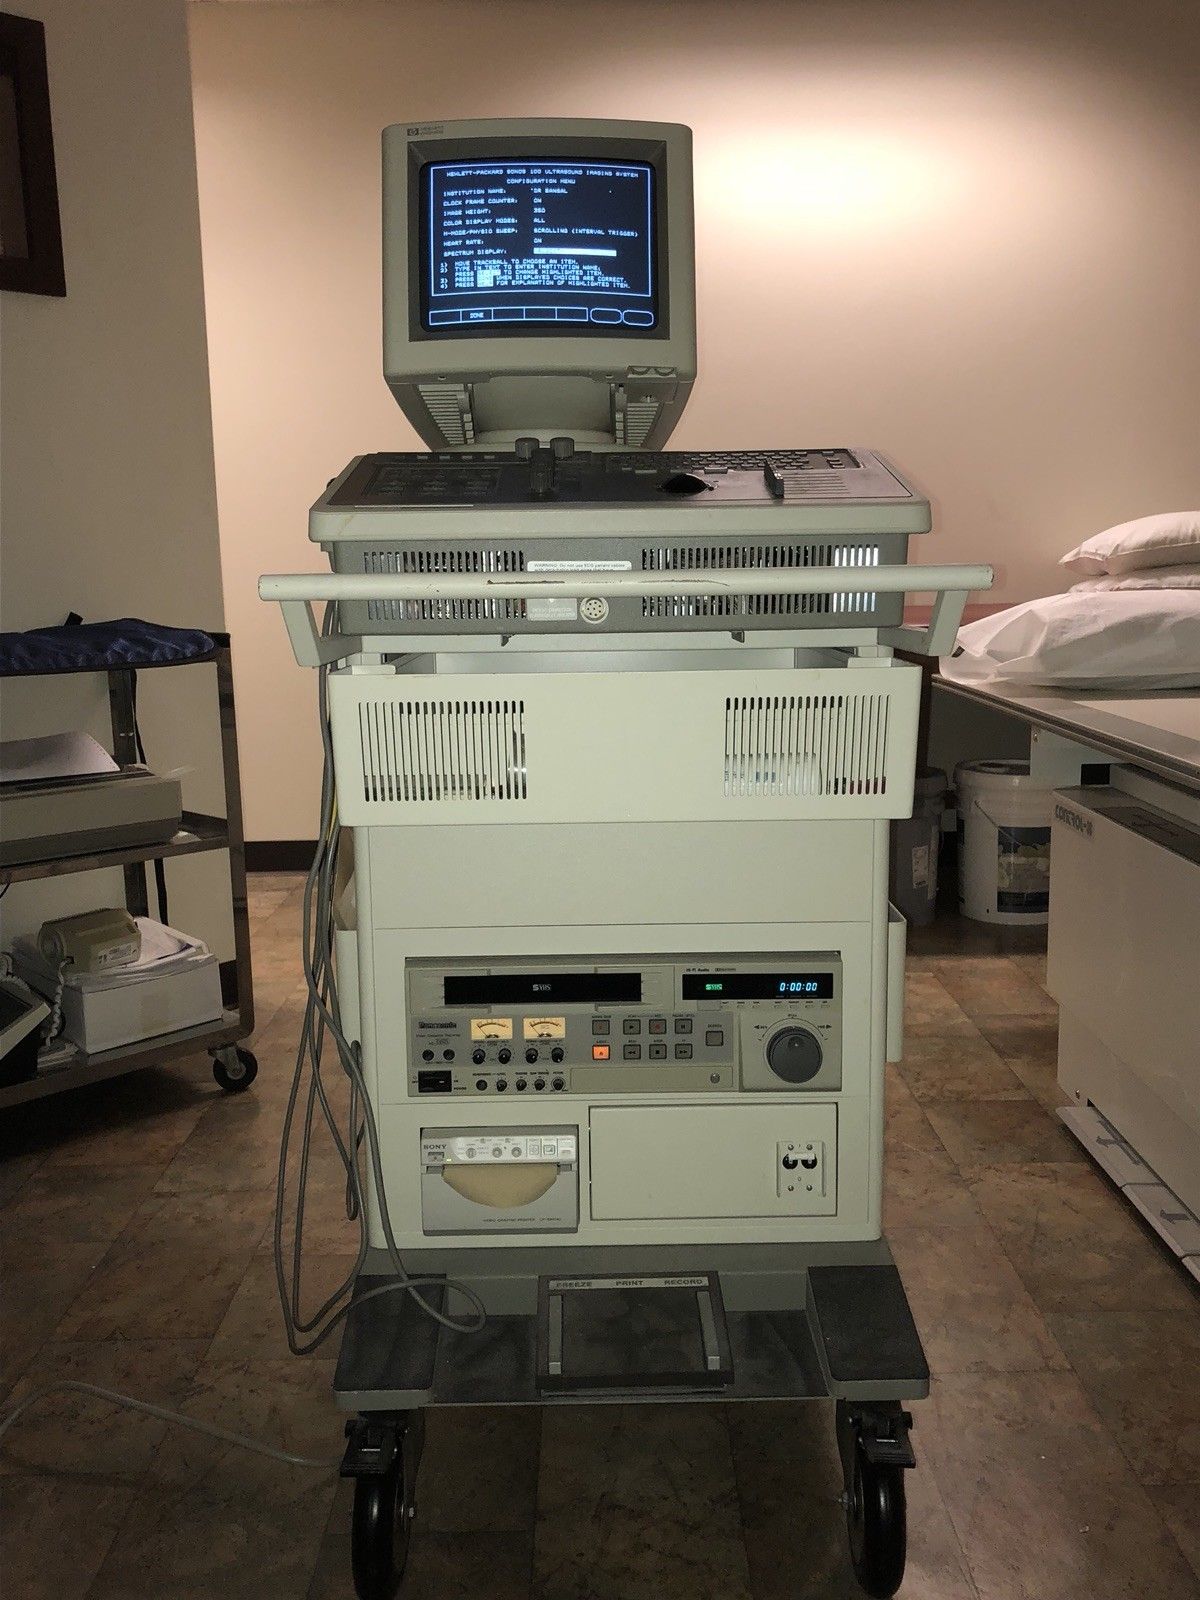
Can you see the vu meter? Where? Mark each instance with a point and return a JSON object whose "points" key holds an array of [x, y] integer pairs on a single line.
{"points": [[484, 1028], [545, 1027]]}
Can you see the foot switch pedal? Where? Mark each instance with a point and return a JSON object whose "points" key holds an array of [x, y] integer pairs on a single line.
{"points": [[666, 1331]]}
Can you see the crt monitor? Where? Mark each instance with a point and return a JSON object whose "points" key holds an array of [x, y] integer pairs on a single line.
{"points": [[538, 280]]}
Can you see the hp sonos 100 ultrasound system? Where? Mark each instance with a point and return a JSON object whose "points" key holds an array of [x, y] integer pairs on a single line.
{"points": [[598, 925]]}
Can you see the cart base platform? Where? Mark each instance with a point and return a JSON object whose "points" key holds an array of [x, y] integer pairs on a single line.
{"points": [[802, 1321]]}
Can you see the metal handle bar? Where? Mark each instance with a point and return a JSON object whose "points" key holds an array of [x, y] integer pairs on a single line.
{"points": [[297, 591], [618, 585]]}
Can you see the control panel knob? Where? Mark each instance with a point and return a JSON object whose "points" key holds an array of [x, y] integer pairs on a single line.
{"points": [[794, 1054], [557, 1053], [531, 1056], [522, 1083], [478, 1057], [501, 1085], [504, 1056]]}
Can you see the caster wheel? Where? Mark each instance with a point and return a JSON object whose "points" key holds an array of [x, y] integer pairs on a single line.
{"points": [[235, 1069], [380, 1533], [876, 1523]]}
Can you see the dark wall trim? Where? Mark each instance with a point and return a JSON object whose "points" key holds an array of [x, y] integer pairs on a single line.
{"points": [[279, 855], [32, 259]]}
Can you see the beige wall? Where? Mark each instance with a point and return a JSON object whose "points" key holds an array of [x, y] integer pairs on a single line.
{"points": [[108, 500], [966, 234]]}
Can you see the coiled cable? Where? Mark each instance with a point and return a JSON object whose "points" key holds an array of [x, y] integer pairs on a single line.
{"points": [[321, 1023]]}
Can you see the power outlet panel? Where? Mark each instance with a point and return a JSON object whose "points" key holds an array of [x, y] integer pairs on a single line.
{"points": [[800, 1175]]}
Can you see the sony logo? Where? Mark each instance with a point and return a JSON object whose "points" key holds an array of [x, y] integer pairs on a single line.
{"points": [[1073, 820]]}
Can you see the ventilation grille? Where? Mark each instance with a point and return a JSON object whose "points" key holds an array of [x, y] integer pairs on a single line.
{"points": [[817, 745], [376, 562], [736, 558], [450, 408], [819, 483], [640, 416], [430, 750]]}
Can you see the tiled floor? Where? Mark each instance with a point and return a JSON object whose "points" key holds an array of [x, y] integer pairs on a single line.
{"points": [[1059, 1452]]}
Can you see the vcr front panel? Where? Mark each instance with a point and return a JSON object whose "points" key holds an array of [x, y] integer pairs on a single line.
{"points": [[528, 1027]]}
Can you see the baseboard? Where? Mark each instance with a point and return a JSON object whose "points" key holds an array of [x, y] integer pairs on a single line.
{"points": [[279, 855]]}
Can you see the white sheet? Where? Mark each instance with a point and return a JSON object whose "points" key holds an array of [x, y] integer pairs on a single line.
{"points": [[1137, 639]]}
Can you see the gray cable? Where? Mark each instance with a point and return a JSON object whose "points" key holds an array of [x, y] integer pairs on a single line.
{"points": [[322, 1021], [165, 1414], [54, 1025]]}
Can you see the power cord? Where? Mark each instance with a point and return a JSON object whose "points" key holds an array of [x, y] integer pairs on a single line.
{"points": [[322, 1021], [165, 1414]]}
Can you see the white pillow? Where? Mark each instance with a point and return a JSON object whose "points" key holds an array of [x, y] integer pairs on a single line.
{"points": [[1186, 577], [1161, 541], [1142, 640]]}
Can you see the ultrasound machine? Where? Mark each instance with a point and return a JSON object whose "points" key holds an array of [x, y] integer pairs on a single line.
{"points": [[598, 926]]}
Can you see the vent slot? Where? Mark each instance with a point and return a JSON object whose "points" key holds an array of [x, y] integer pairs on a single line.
{"points": [[449, 405], [442, 750], [816, 745], [388, 562], [737, 558], [816, 483], [640, 417]]}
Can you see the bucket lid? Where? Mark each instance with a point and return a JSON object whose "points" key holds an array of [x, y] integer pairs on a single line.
{"points": [[996, 775]]}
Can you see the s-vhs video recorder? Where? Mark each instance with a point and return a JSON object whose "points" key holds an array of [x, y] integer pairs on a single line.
{"points": [[652, 1025]]}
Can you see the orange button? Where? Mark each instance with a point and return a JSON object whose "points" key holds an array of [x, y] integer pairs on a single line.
{"points": [[599, 1052]]}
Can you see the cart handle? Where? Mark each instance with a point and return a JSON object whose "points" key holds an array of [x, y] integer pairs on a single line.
{"points": [[296, 592]]}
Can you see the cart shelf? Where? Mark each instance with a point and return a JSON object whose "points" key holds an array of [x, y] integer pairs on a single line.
{"points": [[211, 1036], [199, 832], [233, 1066]]}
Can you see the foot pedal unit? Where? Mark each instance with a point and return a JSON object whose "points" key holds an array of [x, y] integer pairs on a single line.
{"points": [[632, 1333]]}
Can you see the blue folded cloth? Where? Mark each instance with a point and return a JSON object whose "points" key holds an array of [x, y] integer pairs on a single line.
{"points": [[100, 647]]}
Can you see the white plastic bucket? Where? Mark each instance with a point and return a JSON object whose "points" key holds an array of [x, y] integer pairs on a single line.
{"points": [[1003, 842]]}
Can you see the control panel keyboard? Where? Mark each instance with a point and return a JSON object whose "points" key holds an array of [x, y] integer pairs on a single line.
{"points": [[545, 474]]}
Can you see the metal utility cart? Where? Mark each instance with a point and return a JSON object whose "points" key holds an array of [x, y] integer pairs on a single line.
{"points": [[618, 735], [670, 1322], [234, 1066]]}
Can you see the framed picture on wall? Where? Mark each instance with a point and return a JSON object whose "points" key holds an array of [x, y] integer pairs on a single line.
{"points": [[31, 256]]}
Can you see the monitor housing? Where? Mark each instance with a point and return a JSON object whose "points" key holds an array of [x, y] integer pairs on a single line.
{"points": [[539, 280]]}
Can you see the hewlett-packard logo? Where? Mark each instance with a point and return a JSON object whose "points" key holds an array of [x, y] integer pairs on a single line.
{"points": [[1072, 819], [425, 127]]}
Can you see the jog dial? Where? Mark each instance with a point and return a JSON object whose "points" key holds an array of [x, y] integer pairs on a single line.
{"points": [[794, 1054]]}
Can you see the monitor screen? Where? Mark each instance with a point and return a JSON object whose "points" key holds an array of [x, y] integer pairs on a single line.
{"points": [[539, 245]]}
